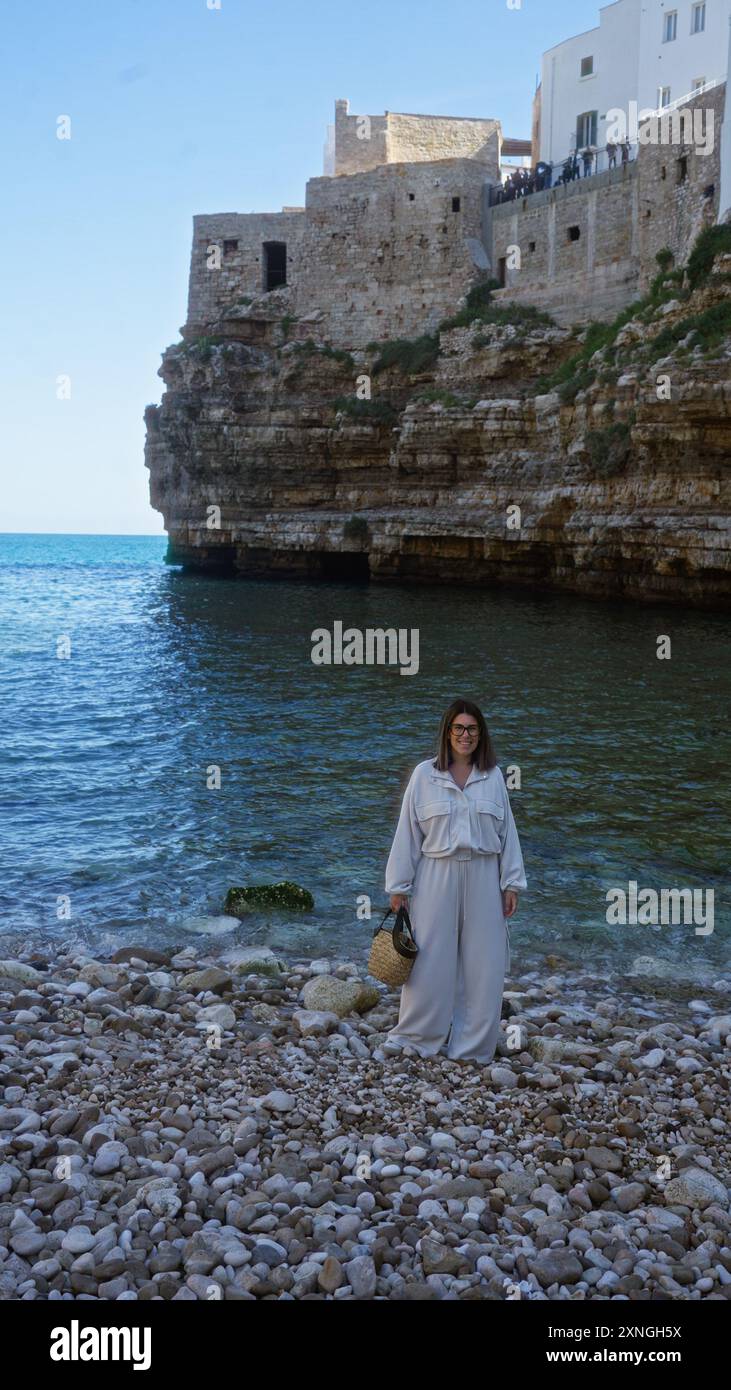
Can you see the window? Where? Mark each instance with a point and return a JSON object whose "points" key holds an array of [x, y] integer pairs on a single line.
{"points": [[456, 204], [670, 27], [698, 84], [229, 247], [682, 168], [587, 67], [698, 19], [411, 197], [586, 129], [275, 264], [531, 246], [663, 96], [574, 233]]}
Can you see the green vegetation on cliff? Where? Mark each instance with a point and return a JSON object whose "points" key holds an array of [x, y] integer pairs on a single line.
{"points": [[309, 348], [409, 356], [705, 329], [479, 308], [378, 412], [609, 448]]}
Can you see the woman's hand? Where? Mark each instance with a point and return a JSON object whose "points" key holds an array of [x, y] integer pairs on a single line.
{"points": [[399, 900], [510, 902]]}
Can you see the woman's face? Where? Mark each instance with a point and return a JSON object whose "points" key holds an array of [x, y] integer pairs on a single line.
{"points": [[464, 735]]}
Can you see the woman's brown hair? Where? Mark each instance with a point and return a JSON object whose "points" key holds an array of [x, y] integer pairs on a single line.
{"points": [[484, 754]]}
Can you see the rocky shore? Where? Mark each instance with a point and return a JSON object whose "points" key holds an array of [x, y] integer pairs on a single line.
{"points": [[229, 1125]]}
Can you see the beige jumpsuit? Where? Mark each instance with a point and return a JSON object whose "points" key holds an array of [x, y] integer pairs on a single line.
{"points": [[453, 853]]}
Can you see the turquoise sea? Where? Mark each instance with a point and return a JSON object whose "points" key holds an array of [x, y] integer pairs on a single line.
{"points": [[623, 757]]}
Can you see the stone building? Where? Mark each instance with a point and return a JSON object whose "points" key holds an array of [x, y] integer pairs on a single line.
{"points": [[585, 250], [381, 254], [383, 248], [365, 142], [387, 244]]}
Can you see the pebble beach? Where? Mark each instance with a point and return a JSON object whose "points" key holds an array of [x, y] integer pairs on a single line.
{"points": [[228, 1124]]}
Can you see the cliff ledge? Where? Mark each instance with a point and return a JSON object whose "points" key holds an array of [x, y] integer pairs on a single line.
{"points": [[501, 449]]}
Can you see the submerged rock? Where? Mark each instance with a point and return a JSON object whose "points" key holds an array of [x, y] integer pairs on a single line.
{"points": [[284, 894], [210, 926]]}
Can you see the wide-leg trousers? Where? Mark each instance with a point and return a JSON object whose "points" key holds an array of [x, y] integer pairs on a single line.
{"points": [[455, 988]]}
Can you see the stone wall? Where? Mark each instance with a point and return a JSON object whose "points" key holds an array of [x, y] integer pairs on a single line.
{"points": [[241, 272], [679, 190], [365, 142], [578, 246], [388, 253], [380, 255], [620, 220], [354, 153], [411, 138]]}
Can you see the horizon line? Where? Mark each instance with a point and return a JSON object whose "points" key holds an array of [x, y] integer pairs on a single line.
{"points": [[155, 535]]}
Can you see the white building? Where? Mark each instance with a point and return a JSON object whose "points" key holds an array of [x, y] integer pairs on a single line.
{"points": [[651, 52]]}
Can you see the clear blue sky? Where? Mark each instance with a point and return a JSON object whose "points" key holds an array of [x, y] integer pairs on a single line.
{"points": [[177, 109]]}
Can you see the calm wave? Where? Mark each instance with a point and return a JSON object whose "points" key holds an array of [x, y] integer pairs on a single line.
{"points": [[623, 757]]}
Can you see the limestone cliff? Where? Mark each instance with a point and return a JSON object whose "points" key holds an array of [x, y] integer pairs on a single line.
{"points": [[495, 451]]}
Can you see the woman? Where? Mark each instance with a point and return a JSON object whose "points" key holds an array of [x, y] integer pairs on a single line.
{"points": [[456, 850]]}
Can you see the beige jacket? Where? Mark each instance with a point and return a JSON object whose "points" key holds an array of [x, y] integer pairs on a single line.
{"points": [[439, 819]]}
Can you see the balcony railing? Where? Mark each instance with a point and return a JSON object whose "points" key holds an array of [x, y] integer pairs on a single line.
{"points": [[689, 97], [574, 167]]}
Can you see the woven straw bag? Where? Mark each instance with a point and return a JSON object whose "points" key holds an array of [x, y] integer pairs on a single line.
{"points": [[393, 950]]}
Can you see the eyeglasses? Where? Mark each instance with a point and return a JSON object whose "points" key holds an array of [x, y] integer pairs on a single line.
{"points": [[464, 730]]}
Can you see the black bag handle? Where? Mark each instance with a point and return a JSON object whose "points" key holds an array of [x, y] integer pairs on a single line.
{"points": [[402, 932], [386, 914]]}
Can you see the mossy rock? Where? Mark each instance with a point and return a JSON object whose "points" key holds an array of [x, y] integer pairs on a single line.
{"points": [[284, 894]]}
